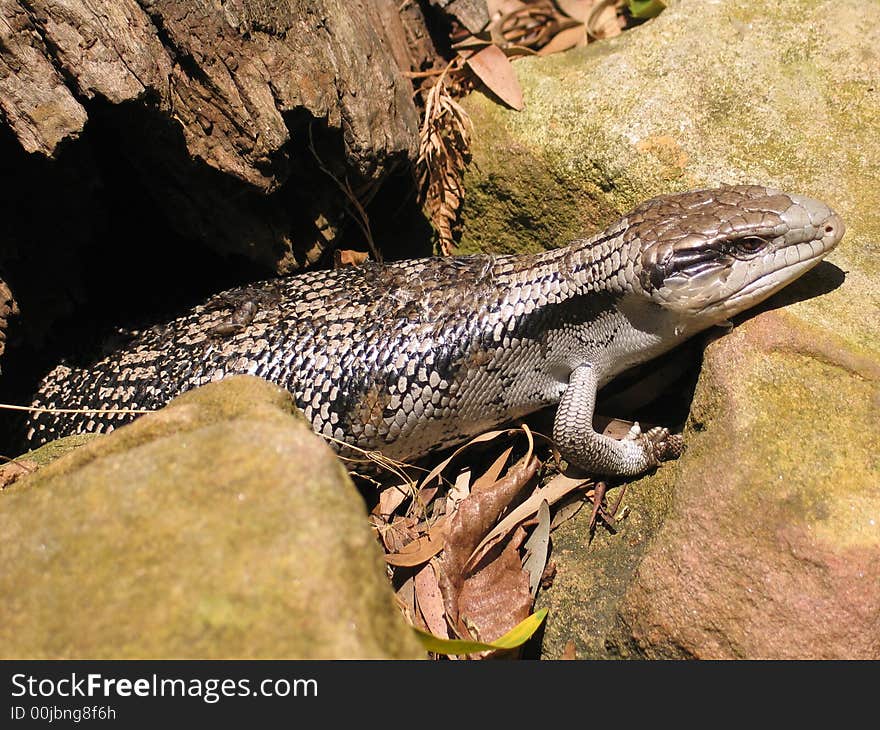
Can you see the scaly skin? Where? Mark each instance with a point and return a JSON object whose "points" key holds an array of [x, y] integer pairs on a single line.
{"points": [[418, 355]]}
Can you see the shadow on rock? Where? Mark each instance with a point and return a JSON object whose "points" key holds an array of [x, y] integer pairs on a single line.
{"points": [[825, 277]]}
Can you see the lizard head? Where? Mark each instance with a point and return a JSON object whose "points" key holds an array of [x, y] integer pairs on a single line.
{"points": [[713, 253]]}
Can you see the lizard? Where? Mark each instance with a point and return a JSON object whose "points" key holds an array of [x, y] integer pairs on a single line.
{"points": [[417, 355]]}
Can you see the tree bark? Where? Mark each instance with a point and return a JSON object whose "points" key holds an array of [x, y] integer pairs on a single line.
{"points": [[226, 73], [241, 121]]}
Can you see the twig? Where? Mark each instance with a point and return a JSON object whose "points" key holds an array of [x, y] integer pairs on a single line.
{"points": [[376, 457], [361, 218], [82, 411]]}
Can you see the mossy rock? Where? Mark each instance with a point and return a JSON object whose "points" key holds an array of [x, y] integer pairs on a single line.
{"points": [[218, 527]]}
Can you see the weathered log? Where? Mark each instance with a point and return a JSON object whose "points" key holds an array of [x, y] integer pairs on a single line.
{"points": [[226, 74], [471, 14], [243, 83], [239, 120]]}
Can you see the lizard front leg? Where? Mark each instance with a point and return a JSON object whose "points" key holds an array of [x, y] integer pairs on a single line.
{"points": [[582, 446]]}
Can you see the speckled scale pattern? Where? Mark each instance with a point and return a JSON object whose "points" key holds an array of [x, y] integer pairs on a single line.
{"points": [[405, 357]]}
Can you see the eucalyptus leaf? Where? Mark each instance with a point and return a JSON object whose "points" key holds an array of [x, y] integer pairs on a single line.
{"points": [[517, 636], [644, 9]]}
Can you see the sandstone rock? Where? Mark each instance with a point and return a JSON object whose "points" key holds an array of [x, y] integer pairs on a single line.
{"points": [[218, 527], [772, 537], [772, 548]]}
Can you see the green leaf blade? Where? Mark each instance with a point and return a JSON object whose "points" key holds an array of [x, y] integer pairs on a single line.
{"points": [[644, 9], [517, 636]]}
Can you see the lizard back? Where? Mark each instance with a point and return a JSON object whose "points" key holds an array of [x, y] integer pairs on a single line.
{"points": [[404, 357]]}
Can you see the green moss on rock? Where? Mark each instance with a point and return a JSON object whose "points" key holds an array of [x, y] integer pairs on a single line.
{"points": [[769, 548], [218, 527]]}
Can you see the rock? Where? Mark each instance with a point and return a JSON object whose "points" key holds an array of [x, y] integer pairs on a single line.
{"points": [[47, 453], [772, 536], [772, 548], [593, 573], [220, 526]]}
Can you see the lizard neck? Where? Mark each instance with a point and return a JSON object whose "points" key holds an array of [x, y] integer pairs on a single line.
{"points": [[605, 263]]}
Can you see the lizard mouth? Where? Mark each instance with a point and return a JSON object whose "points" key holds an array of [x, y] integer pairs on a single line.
{"points": [[740, 284], [790, 262], [766, 285]]}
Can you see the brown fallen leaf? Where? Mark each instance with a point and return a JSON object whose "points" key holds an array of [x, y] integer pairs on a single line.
{"points": [[459, 491], [568, 508], [492, 67], [503, 6], [436, 472], [552, 492], [398, 533], [496, 597], [349, 258], [474, 517], [430, 601], [406, 599], [604, 21], [422, 549], [391, 498], [570, 650], [576, 9], [574, 37], [616, 428], [444, 152], [493, 472]]}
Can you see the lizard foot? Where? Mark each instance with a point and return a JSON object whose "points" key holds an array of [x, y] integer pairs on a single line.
{"points": [[659, 443]]}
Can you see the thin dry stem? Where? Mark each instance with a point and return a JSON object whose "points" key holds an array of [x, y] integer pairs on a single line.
{"points": [[361, 218]]}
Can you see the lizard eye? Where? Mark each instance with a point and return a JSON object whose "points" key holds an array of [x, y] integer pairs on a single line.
{"points": [[750, 244]]}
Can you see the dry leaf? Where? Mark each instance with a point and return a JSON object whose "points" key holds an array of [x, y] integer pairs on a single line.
{"points": [[495, 598], [391, 498], [532, 25], [482, 438], [576, 9], [574, 37], [406, 599], [474, 517], [537, 548], [568, 508], [460, 490], [422, 549], [493, 472], [444, 152], [604, 20], [430, 601], [616, 428], [401, 531], [503, 6], [493, 68], [349, 258], [555, 490]]}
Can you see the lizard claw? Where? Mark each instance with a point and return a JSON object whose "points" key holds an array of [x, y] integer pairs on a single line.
{"points": [[635, 431], [662, 445]]}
